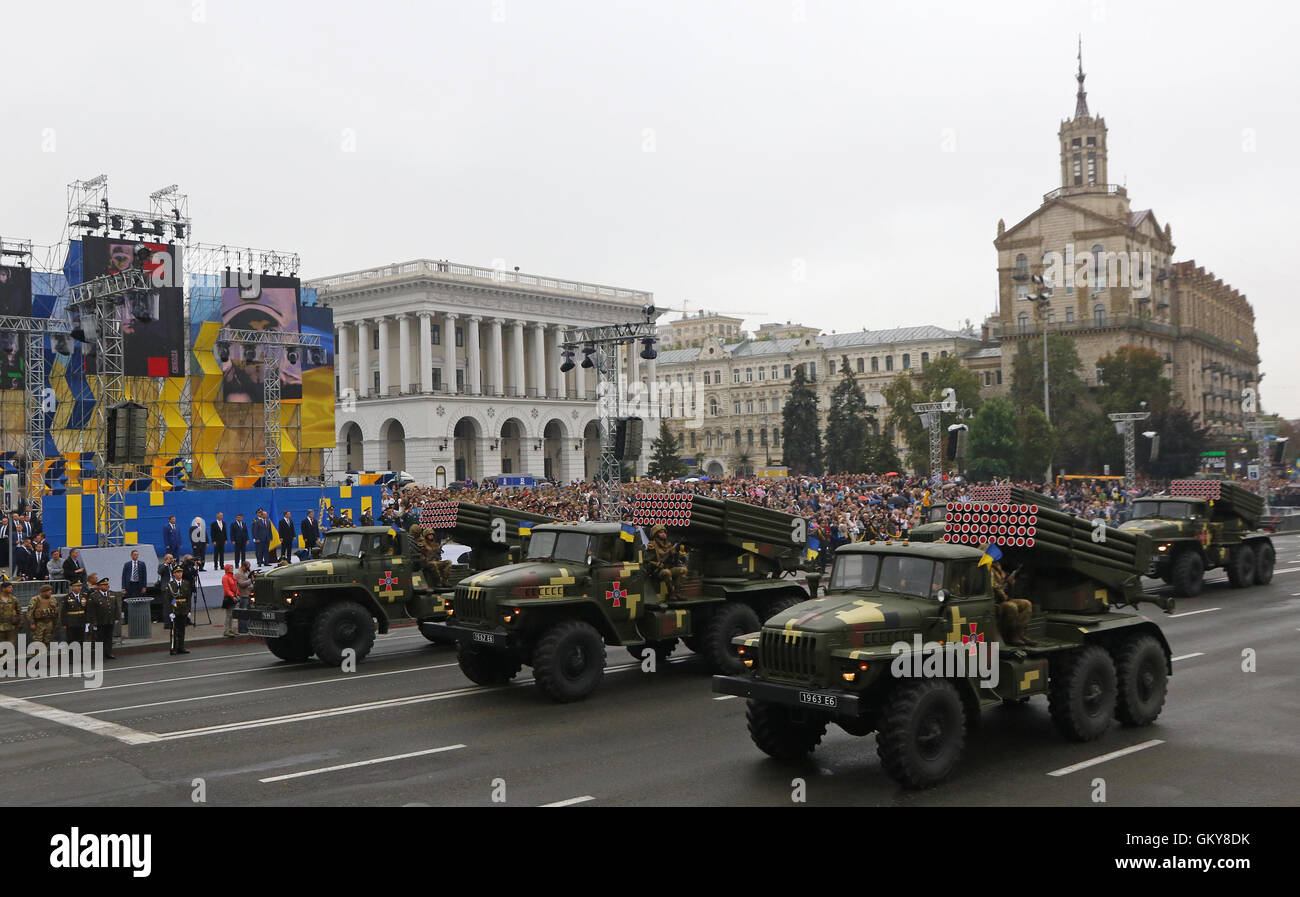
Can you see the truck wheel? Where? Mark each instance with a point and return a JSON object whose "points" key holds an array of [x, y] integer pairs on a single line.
{"points": [[1142, 680], [663, 649], [780, 604], [1081, 694], [1241, 567], [776, 733], [921, 733], [294, 647], [1264, 560], [569, 661], [341, 626], [483, 666], [730, 620], [1186, 574]]}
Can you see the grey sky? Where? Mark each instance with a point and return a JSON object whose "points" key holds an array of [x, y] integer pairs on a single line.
{"points": [[708, 151]]}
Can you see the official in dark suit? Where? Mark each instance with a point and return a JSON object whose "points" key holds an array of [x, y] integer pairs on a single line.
{"points": [[288, 536], [261, 532], [310, 531], [134, 576], [239, 538], [217, 532], [74, 570], [25, 561], [172, 537]]}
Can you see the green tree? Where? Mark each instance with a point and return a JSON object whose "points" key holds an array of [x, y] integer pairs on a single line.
{"points": [[1036, 441], [991, 447], [1181, 444], [847, 425], [1063, 363], [1130, 376], [802, 433], [665, 455], [910, 388]]}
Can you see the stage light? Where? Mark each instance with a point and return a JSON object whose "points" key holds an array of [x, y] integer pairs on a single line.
{"points": [[137, 226], [223, 352], [648, 349], [179, 230], [141, 254], [93, 220], [115, 221], [568, 364], [158, 228], [250, 353], [291, 356]]}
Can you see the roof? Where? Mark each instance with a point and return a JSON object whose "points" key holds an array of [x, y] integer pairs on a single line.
{"points": [[678, 356], [944, 551], [921, 333], [986, 352]]}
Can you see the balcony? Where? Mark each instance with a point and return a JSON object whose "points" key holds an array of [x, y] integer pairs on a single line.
{"points": [[1107, 189]]}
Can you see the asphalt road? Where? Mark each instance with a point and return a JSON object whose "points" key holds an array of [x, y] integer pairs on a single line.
{"points": [[238, 727]]}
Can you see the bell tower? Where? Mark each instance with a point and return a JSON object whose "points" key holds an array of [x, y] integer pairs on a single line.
{"points": [[1083, 145]]}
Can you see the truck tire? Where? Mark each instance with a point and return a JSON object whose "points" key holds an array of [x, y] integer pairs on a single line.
{"points": [[483, 666], [1241, 567], [781, 737], [781, 603], [1081, 695], [1265, 558], [295, 647], [663, 649], [341, 626], [569, 661], [1187, 574], [1142, 678], [921, 733], [730, 620]]}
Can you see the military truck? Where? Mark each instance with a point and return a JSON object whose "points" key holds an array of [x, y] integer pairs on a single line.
{"points": [[1200, 525], [584, 586], [931, 528], [367, 578], [907, 642]]}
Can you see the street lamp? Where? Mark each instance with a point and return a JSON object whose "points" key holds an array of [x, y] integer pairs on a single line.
{"points": [[1042, 298]]}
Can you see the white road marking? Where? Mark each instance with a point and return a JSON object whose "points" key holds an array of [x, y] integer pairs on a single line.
{"points": [[251, 691], [1066, 770], [316, 772], [77, 721], [1191, 613], [571, 801], [1287, 570], [1187, 656], [724, 697]]}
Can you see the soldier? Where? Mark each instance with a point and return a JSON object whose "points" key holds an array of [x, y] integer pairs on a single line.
{"points": [[665, 561], [434, 568], [43, 613], [73, 614], [101, 611], [1014, 614], [11, 615], [177, 596]]}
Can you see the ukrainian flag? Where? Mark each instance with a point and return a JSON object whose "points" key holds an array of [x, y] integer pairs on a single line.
{"points": [[627, 532], [991, 555], [814, 549], [525, 529]]}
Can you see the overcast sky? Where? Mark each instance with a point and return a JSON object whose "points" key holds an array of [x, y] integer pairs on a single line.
{"points": [[840, 164]]}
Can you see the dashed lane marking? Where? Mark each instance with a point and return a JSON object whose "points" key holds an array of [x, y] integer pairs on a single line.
{"points": [[1191, 613], [571, 801], [1066, 770], [1287, 570], [325, 769], [724, 697], [1186, 656], [77, 721]]}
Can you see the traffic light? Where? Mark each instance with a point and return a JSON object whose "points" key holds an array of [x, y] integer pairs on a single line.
{"points": [[128, 430]]}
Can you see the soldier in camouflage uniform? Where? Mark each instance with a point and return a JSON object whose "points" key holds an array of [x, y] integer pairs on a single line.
{"points": [[11, 615], [1014, 614], [73, 614], [43, 613], [436, 570], [665, 561]]}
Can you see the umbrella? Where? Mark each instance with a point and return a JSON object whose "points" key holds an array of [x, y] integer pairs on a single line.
{"points": [[892, 473]]}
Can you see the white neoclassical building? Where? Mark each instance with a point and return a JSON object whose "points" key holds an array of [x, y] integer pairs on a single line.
{"points": [[450, 371]]}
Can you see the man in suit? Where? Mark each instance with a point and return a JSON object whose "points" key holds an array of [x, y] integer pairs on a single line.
{"points": [[288, 536], [73, 568], [25, 561], [42, 550], [310, 531], [172, 537], [239, 538], [217, 532], [261, 537], [134, 576]]}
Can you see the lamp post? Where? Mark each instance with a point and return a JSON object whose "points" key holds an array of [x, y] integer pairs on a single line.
{"points": [[1042, 299]]}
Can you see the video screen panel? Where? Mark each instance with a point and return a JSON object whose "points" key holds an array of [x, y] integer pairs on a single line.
{"points": [[317, 417], [269, 303], [153, 322], [15, 299]]}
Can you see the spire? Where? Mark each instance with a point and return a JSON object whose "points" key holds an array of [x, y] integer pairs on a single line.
{"points": [[1081, 103]]}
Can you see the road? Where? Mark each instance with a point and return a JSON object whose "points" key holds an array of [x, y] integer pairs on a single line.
{"points": [[233, 726]]}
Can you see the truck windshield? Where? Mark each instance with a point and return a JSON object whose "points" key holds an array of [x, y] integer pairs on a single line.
{"points": [[910, 576], [855, 571], [1177, 510], [345, 544], [936, 514], [550, 545]]}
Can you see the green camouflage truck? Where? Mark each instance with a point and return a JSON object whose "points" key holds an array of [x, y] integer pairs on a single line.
{"points": [[931, 527], [367, 578], [1200, 525], [908, 643], [584, 586]]}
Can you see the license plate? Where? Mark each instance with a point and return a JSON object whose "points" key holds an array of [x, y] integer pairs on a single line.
{"points": [[268, 615], [818, 700], [486, 638]]}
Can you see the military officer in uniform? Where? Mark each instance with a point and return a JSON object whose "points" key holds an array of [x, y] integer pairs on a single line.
{"points": [[434, 568], [1014, 614], [11, 615], [177, 596], [73, 614], [665, 561], [101, 612], [43, 613]]}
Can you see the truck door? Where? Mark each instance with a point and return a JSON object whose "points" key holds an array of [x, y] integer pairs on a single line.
{"points": [[388, 571], [616, 578]]}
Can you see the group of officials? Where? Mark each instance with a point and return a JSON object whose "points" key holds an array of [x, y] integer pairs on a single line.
{"points": [[238, 535]]}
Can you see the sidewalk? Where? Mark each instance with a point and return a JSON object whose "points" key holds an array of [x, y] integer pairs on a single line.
{"points": [[207, 600]]}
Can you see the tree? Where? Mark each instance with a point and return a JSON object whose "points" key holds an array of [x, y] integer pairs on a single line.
{"points": [[1181, 444], [1036, 441], [909, 388], [992, 445], [665, 455], [1027, 374], [847, 425], [1130, 376], [803, 439]]}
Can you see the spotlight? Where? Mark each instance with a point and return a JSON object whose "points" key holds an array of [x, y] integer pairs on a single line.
{"points": [[179, 230], [250, 354], [648, 348], [158, 228], [115, 221], [93, 220], [567, 364], [137, 225], [291, 356], [648, 311], [141, 254], [223, 352]]}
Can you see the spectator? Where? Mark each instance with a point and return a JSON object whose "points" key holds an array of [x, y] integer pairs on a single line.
{"points": [[219, 537], [229, 599], [73, 569], [172, 537]]}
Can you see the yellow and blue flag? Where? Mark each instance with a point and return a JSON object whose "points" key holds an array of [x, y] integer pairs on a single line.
{"points": [[627, 532], [992, 554], [814, 549], [525, 529]]}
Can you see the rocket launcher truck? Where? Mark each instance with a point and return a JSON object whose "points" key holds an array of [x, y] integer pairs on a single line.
{"points": [[909, 642]]}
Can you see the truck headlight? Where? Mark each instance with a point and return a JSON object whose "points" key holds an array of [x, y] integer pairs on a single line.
{"points": [[1163, 546]]}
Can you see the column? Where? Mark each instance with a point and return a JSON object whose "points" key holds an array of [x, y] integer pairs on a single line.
{"points": [[343, 360], [517, 367], [449, 353], [539, 358], [631, 349], [553, 374], [579, 373], [496, 366], [384, 370], [363, 358], [426, 352], [473, 376], [404, 352]]}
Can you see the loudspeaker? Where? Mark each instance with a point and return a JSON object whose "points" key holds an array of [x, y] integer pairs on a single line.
{"points": [[128, 432], [956, 442], [632, 445], [1279, 451]]}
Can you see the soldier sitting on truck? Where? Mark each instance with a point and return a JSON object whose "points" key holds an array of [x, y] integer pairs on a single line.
{"points": [[437, 571], [665, 561], [1014, 614]]}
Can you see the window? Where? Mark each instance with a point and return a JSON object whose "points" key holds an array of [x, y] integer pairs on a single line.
{"points": [[1022, 266], [1098, 268], [776, 436], [749, 406], [706, 378], [943, 354], [907, 360], [460, 337], [925, 358], [737, 437], [376, 377], [713, 406], [735, 407], [437, 334], [1099, 316], [889, 362], [749, 375], [831, 371], [460, 380], [762, 406], [762, 437], [1022, 321], [787, 372], [692, 439], [1092, 169], [437, 378], [875, 365], [749, 434], [999, 373], [690, 378], [1022, 292], [762, 373], [735, 375], [773, 372], [988, 379], [1069, 316], [1074, 142], [1051, 316], [374, 338], [1092, 141], [717, 377], [860, 365], [812, 370], [1078, 169]]}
